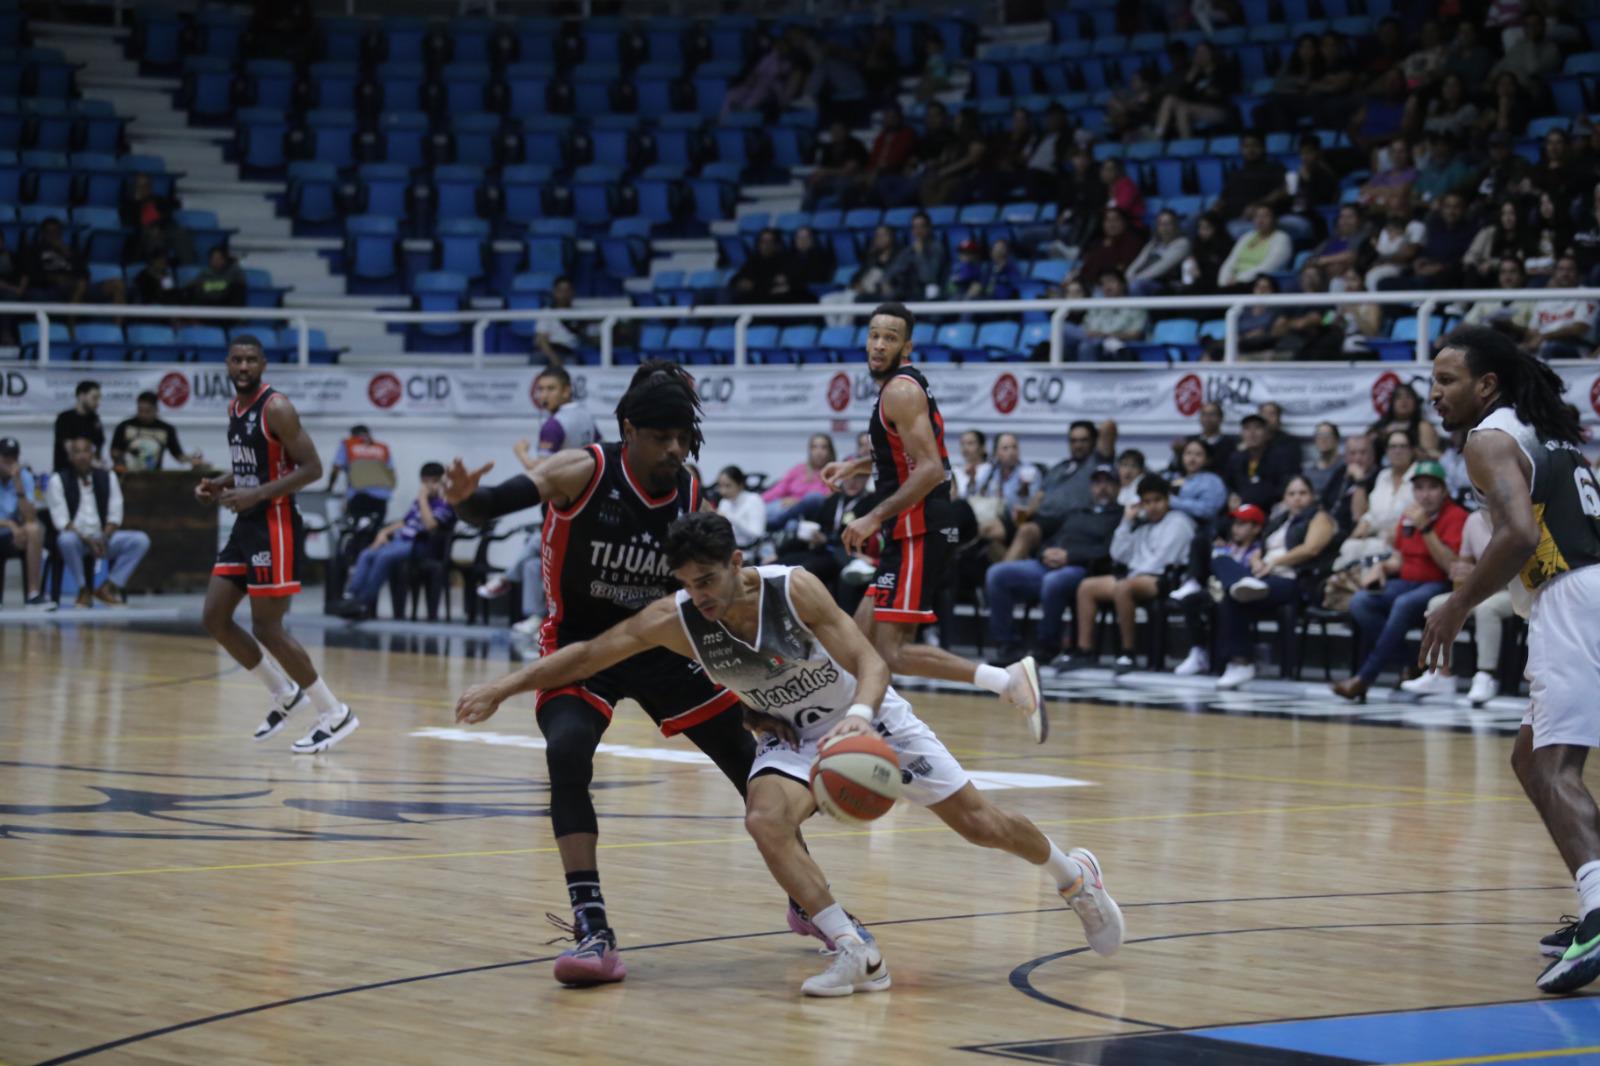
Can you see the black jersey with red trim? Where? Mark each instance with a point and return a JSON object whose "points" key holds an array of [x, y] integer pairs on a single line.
{"points": [[892, 466], [605, 555], [258, 456]]}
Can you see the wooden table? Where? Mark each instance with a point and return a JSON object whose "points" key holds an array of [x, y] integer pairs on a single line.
{"points": [[183, 534]]}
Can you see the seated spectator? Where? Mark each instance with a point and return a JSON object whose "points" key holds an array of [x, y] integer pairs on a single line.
{"points": [[1081, 545], [1349, 491], [1256, 321], [1532, 57], [1438, 261], [1159, 263], [220, 284], [972, 469], [153, 222], [1285, 572], [1201, 494], [1065, 487], [1105, 329], [1561, 328], [1131, 107], [898, 190], [1279, 438], [1381, 112], [1393, 174], [1222, 444], [429, 516], [54, 271], [1083, 204], [1552, 229], [872, 283], [1489, 619], [143, 441], [817, 545], [919, 270], [741, 507], [1467, 55], [1313, 184], [814, 261], [1002, 276], [891, 152], [1362, 323], [1047, 155], [1203, 99], [963, 156], [774, 79], [801, 482], [1005, 164], [156, 284], [768, 276], [1585, 240], [1241, 546], [1009, 483], [1122, 192], [1130, 471], [1425, 63], [1314, 332], [1509, 316], [1293, 83], [1372, 536], [1505, 115], [966, 277], [1256, 473], [559, 339], [1150, 538], [20, 531], [1258, 179], [1116, 247], [1399, 589], [1448, 111], [1265, 249], [1446, 170], [1209, 250], [1395, 245], [841, 167], [1327, 462], [1403, 411], [86, 510], [1343, 247]]}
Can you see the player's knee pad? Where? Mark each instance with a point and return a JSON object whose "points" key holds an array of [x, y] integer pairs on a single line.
{"points": [[572, 731]]}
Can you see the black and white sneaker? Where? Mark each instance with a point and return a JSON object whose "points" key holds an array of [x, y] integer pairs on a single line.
{"points": [[40, 602], [1554, 945], [281, 710], [328, 731]]}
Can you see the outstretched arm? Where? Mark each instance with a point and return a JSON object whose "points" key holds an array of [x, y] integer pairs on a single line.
{"points": [[849, 647], [558, 480], [654, 627]]}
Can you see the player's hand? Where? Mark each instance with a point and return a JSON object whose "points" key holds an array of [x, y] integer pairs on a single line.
{"points": [[857, 533], [762, 724], [1053, 558], [478, 703], [1439, 634], [241, 500], [835, 471], [208, 490], [459, 482], [851, 726]]}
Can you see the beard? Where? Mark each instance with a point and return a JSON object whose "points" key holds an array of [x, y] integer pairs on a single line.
{"points": [[880, 376]]}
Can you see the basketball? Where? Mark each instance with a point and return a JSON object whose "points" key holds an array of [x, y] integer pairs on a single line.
{"points": [[856, 779]]}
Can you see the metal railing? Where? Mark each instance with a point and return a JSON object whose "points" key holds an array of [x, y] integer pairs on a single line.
{"points": [[302, 320]]}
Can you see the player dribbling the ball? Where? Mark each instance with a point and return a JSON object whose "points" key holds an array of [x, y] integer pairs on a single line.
{"points": [[807, 676]]}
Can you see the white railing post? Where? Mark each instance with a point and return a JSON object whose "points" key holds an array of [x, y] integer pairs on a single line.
{"points": [[1425, 329], [608, 341], [741, 331], [303, 340], [44, 335], [480, 331], [1230, 333], [1057, 345]]}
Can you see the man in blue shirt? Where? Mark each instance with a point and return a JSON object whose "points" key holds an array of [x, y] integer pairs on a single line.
{"points": [[20, 532], [428, 517]]}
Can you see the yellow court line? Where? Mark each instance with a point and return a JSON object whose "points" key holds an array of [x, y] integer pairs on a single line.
{"points": [[1179, 816], [1513, 1056]]}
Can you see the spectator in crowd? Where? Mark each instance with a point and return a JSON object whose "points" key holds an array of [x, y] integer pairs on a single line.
{"points": [[1265, 249], [1222, 444], [1117, 246], [156, 285], [1342, 248], [1311, 332], [1362, 323], [13, 287], [1350, 490], [220, 284], [1457, 482], [935, 67], [801, 482], [873, 282], [1046, 155], [966, 277], [1211, 248], [1081, 545], [1394, 172], [557, 339], [841, 168], [20, 531], [1241, 546], [1312, 184], [1279, 438], [834, 70], [86, 510], [771, 82], [1373, 535], [429, 516], [1467, 55], [1395, 245], [1425, 63], [54, 271], [1295, 544], [82, 419], [1202, 100], [1083, 203], [768, 276], [814, 261], [1403, 410], [817, 544], [1445, 170], [1586, 237], [1257, 473], [1326, 464], [1399, 589], [1505, 173], [1257, 322], [1122, 192], [1150, 538], [1294, 81], [741, 507], [143, 441], [1009, 482], [1561, 328], [1160, 262], [973, 466], [1530, 57], [1066, 485], [1449, 111], [963, 156], [1553, 230], [1511, 316], [897, 190], [919, 270], [368, 470], [1381, 112], [1505, 114], [1201, 494], [1005, 163], [1002, 276], [1130, 471], [1131, 107], [153, 221], [1105, 329], [1258, 179], [1488, 618], [1446, 237], [891, 152]]}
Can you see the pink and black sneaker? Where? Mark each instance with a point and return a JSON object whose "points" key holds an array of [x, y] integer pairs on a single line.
{"points": [[594, 961]]}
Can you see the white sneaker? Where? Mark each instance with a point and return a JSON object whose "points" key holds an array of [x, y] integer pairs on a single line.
{"points": [[1023, 693], [529, 627], [857, 967], [1198, 662], [1089, 900], [1191, 587], [278, 716], [494, 588], [857, 572], [1236, 674], [329, 730], [1123, 665], [1249, 590], [1432, 683], [1485, 687]]}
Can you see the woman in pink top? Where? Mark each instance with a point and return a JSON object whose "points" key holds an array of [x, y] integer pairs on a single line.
{"points": [[802, 482]]}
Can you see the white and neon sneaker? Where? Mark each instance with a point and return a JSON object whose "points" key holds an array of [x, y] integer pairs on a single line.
{"points": [[858, 967], [1089, 900], [328, 731], [1023, 693], [278, 716]]}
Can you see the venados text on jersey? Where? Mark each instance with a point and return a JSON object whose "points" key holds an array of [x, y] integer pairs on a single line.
{"points": [[797, 688]]}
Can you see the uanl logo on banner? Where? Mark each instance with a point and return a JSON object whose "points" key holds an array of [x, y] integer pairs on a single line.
{"points": [[173, 390], [1006, 393], [1382, 389], [384, 390], [839, 391]]}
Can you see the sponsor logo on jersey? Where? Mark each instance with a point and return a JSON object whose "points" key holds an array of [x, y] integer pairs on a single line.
{"points": [[801, 685], [261, 559]]}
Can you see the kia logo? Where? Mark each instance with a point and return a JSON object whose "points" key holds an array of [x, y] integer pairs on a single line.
{"points": [[1189, 395], [1382, 389], [173, 390], [839, 392], [1006, 393], [384, 390]]}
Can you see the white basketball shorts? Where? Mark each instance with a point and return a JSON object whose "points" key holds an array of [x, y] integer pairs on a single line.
{"points": [[1564, 661]]}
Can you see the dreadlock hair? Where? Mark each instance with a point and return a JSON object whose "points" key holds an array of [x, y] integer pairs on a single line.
{"points": [[1531, 388], [662, 396]]}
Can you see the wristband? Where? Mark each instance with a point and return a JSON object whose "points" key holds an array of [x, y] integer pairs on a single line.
{"points": [[861, 711]]}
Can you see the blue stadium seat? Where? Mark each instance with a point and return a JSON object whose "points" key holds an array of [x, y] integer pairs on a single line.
{"points": [[400, 85], [998, 340], [528, 87], [205, 230], [384, 189], [329, 136], [464, 85], [403, 38], [372, 252], [260, 291], [99, 342], [270, 83], [439, 290], [28, 336], [203, 344], [475, 139], [461, 247], [259, 141], [550, 253], [522, 191], [153, 342], [333, 83], [405, 137], [456, 190]]}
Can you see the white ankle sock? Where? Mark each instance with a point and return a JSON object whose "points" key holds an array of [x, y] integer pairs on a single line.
{"points": [[1589, 886], [993, 678], [834, 923], [277, 682], [1065, 869], [323, 700]]}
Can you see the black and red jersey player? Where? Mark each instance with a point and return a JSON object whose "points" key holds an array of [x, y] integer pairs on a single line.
{"points": [[918, 520], [273, 458], [606, 512]]}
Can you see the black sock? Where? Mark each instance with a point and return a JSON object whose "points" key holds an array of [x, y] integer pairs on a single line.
{"points": [[588, 906]]}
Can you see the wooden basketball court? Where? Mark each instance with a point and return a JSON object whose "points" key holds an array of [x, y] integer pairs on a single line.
{"points": [[173, 893]]}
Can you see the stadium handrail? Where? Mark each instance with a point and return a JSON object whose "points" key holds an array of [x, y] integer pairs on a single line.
{"points": [[302, 320]]}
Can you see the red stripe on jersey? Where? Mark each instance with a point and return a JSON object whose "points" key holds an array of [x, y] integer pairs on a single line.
{"points": [[573, 690], [909, 523], [649, 500], [708, 710], [909, 584], [553, 553], [280, 537]]}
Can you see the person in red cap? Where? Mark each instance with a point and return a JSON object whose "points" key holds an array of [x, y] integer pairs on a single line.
{"points": [[1241, 547]]}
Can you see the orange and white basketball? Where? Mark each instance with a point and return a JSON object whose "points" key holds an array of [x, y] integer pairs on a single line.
{"points": [[856, 779]]}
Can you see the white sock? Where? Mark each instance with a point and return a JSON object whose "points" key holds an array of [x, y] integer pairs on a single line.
{"points": [[993, 678], [276, 680], [323, 700], [1065, 869], [834, 923], [1589, 887]]}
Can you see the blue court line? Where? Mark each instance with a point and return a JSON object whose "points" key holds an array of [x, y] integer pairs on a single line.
{"points": [[1466, 1033]]}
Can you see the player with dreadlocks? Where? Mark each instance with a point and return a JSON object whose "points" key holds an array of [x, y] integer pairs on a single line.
{"points": [[1544, 504], [606, 512]]}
